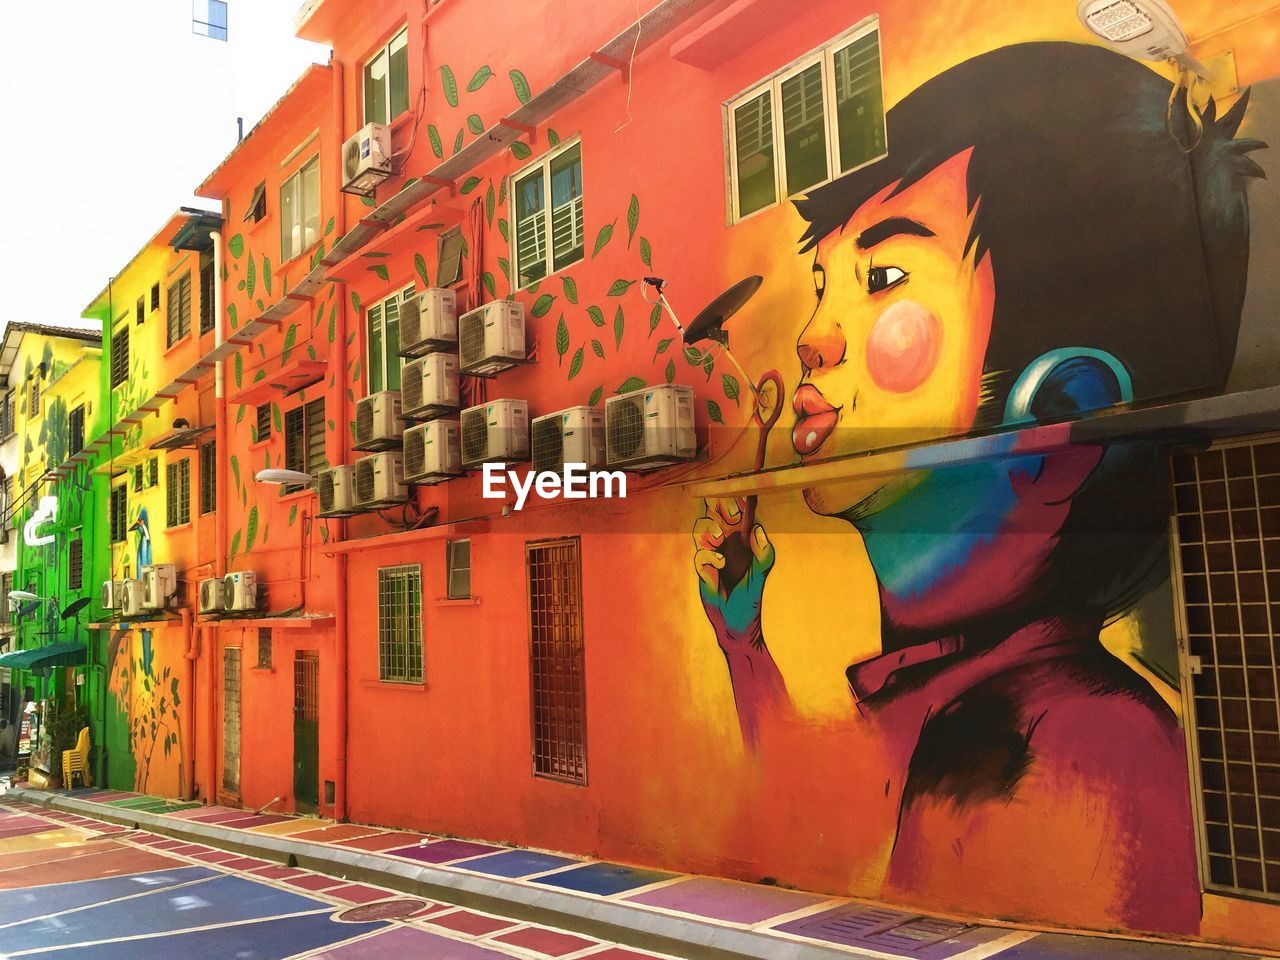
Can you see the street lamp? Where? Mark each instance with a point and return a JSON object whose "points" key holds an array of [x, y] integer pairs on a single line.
{"points": [[276, 475]]}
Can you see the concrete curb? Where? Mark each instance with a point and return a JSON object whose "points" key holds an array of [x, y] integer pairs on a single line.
{"points": [[627, 924]]}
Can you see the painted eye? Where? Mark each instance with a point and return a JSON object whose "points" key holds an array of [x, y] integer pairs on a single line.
{"points": [[819, 280], [884, 278]]}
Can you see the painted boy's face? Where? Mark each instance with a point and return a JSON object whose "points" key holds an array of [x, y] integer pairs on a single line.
{"points": [[894, 350]]}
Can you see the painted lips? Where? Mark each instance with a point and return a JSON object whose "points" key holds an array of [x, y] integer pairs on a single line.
{"points": [[816, 418]]}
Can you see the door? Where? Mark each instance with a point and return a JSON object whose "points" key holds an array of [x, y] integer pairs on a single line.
{"points": [[306, 731], [231, 720]]}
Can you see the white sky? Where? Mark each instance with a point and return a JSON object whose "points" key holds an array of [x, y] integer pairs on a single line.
{"points": [[110, 115]]}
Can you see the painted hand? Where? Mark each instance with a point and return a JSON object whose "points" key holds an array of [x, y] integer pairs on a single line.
{"points": [[733, 609]]}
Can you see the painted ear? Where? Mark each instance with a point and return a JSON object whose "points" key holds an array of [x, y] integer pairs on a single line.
{"points": [[1066, 383]]}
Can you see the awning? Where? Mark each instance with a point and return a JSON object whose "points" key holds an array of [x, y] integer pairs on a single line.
{"points": [[67, 654]]}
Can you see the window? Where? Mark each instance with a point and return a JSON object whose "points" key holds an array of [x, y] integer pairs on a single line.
{"points": [[119, 356], [300, 210], [458, 562], [141, 312], [206, 291], [178, 316], [6, 586], [155, 297], [830, 111], [209, 477], [75, 430], [35, 394], [257, 204], [7, 423], [400, 624], [119, 509], [556, 660], [137, 478], [264, 648], [262, 430], [382, 333], [75, 562], [386, 81], [153, 472], [304, 430], [449, 257], [178, 492], [209, 19], [546, 243]]}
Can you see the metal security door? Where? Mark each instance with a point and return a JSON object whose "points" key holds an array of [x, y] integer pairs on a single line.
{"points": [[306, 731], [231, 720]]}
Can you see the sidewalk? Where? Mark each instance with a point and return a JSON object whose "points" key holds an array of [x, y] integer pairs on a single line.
{"points": [[680, 915]]}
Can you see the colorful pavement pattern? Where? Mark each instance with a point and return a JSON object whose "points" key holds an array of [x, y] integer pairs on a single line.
{"points": [[75, 887]]}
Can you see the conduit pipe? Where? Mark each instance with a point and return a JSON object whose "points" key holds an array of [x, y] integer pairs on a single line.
{"points": [[189, 655], [222, 444]]}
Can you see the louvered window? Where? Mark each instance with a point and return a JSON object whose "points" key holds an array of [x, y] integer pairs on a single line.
{"points": [[262, 429], [206, 291], [75, 430], [208, 477], [35, 395], [178, 492], [75, 563], [304, 439], [119, 513], [382, 329], [120, 357], [829, 110], [178, 316], [548, 215]]}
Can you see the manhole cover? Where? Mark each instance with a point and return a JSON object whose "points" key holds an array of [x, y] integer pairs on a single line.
{"points": [[382, 910]]}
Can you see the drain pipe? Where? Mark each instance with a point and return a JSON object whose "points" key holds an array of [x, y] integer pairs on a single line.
{"points": [[222, 442], [189, 655]]}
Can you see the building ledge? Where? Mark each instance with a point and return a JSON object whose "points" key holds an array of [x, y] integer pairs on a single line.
{"points": [[296, 621], [438, 532]]}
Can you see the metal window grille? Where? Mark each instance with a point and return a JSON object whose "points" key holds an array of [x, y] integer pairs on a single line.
{"points": [[155, 296], [557, 669], [231, 719], [1228, 558], [206, 291], [178, 492], [314, 430], [35, 396], [306, 685], [263, 426], [7, 424], [119, 512], [75, 430], [209, 477], [458, 556], [264, 647], [75, 563], [153, 471], [137, 478], [6, 585], [178, 316], [400, 624], [120, 357]]}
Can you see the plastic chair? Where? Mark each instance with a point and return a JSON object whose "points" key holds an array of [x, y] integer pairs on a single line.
{"points": [[76, 761]]}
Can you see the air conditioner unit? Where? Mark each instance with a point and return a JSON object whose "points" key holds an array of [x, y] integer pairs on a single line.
{"points": [[431, 452], [211, 595], [240, 590], [575, 435], [366, 159], [497, 431], [429, 386], [491, 338], [134, 597], [336, 488], [429, 322], [161, 582], [650, 428], [113, 594], [380, 481], [378, 425]]}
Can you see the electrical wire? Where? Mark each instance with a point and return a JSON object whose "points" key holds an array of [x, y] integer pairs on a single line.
{"points": [[1184, 81], [631, 70]]}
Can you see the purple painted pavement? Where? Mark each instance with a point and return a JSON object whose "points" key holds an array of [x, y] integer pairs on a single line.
{"points": [[443, 851], [725, 900], [406, 942]]}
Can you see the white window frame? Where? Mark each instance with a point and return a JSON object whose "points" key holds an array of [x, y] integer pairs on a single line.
{"points": [[383, 50], [825, 55], [544, 162], [398, 297], [295, 182]]}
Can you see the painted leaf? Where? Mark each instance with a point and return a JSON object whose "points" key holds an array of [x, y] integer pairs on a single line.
{"points": [[333, 317], [562, 338], [250, 277], [646, 252], [240, 285], [328, 227], [502, 229], [420, 264], [475, 124], [575, 365], [505, 266], [469, 184], [489, 204], [434, 136], [542, 305], [239, 365], [487, 279], [290, 338], [553, 138], [251, 532], [629, 384], [368, 201], [693, 356], [260, 304], [633, 218], [520, 150], [671, 370], [260, 375], [570, 289], [596, 394], [598, 348], [276, 420], [318, 255], [502, 192], [235, 470], [311, 352], [619, 287], [713, 411], [730, 385], [619, 323], [479, 79], [236, 245], [266, 274], [602, 238], [655, 317], [450, 85], [380, 272], [521, 86], [457, 141], [662, 346], [355, 301], [293, 514], [596, 315], [240, 414]]}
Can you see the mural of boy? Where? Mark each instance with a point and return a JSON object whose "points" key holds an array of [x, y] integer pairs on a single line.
{"points": [[1036, 245]]}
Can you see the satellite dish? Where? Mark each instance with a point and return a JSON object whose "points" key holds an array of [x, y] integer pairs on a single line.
{"points": [[709, 324], [75, 607]]}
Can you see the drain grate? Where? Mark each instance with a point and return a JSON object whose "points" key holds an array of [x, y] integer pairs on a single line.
{"points": [[382, 910], [889, 931]]}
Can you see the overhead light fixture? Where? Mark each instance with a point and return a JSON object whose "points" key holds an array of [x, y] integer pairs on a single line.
{"points": [[1146, 29], [274, 475]]}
